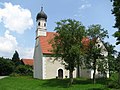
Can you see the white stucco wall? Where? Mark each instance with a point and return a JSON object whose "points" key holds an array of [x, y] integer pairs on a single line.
{"points": [[52, 67], [38, 70], [85, 73]]}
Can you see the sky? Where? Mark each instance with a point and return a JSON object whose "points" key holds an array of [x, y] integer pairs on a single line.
{"points": [[18, 21]]}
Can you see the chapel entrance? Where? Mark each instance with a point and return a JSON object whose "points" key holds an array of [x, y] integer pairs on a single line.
{"points": [[60, 73]]}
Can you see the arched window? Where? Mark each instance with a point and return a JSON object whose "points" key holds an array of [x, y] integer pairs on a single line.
{"points": [[44, 24], [60, 73], [39, 24]]}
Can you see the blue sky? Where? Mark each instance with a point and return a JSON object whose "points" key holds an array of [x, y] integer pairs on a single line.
{"points": [[18, 21]]}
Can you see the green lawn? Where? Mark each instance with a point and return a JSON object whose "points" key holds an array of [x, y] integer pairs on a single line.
{"points": [[28, 83]]}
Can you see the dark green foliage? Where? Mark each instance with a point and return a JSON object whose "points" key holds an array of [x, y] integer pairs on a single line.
{"points": [[118, 67], [95, 31], [24, 70], [113, 82], [16, 58], [115, 76], [116, 13], [118, 62], [6, 66], [111, 57], [67, 43], [94, 58]]}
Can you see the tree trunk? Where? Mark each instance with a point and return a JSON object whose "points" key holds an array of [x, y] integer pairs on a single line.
{"points": [[71, 77], [94, 68], [78, 71]]}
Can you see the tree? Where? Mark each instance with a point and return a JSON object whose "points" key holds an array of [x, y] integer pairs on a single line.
{"points": [[116, 13], [16, 58], [118, 67], [67, 43], [93, 54], [6, 66], [111, 57], [95, 31]]}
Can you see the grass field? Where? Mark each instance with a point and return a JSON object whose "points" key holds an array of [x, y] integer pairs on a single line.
{"points": [[28, 83]]}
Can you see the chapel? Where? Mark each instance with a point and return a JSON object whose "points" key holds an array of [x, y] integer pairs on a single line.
{"points": [[44, 65]]}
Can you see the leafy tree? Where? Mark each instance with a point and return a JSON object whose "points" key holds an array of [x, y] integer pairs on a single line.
{"points": [[67, 43], [6, 66], [111, 57], [118, 67], [95, 31], [116, 13], [94, 55], [16, 58]]}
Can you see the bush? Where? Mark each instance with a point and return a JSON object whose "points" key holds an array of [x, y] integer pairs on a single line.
{"points": [[113, 83], [14, 74], [24, 70], [6, 66]]}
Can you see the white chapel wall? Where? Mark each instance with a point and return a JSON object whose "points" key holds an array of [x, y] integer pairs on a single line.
{"points": [[52, 67], [38, 61]]}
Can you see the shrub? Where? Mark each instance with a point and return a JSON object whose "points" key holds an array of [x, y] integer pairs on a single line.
{"points": [[113, 83], [24, 70], [6, 66], [14, 74]]}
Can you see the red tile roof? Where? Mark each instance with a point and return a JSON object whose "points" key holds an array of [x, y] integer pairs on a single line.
{"points": [[44, 42], [85, 41], [28, 61], [47, 47]]}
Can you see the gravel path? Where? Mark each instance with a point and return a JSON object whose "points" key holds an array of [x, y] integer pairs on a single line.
{"points": [[3, 77]]}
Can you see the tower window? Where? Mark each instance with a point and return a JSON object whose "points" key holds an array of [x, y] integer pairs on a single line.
{"points": [[44, 24], [98, 45], [39, 24]]}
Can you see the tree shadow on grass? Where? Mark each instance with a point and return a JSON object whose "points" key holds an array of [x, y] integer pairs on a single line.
{"points": [[64, 83], [101, 81], [61, 83], [95, 89], [82, 81]]}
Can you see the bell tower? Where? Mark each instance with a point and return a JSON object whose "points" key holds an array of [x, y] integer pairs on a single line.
{"points": [[41, 20], [41, 30]]}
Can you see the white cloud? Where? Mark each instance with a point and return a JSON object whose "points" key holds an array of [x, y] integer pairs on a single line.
{"points": [[15, 18], [25, 52], [8, 44], [85, 1], [84, 6]]}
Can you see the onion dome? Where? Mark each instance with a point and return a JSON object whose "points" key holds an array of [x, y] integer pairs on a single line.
{"points": [[41, 14]]}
